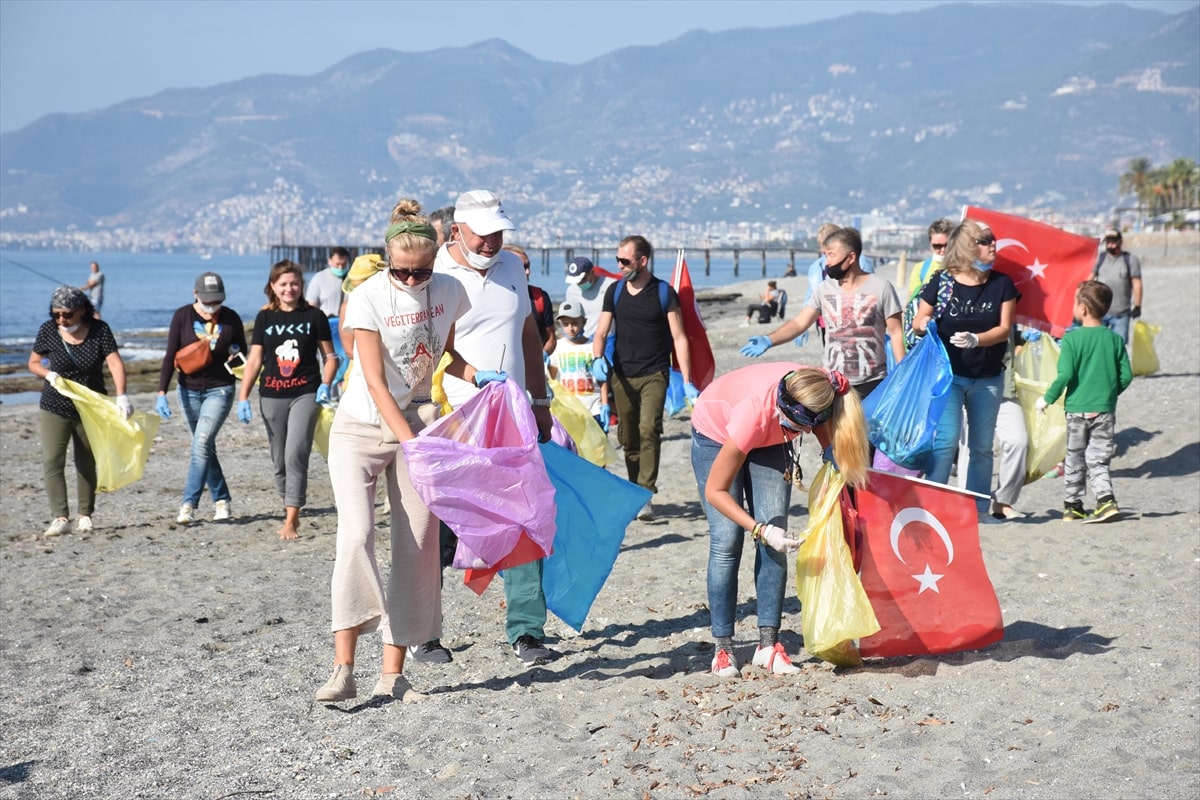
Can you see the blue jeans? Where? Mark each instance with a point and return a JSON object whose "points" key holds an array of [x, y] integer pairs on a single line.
{"points": [[1119, 325], [760, 487], [980, 398], [206, 412]]}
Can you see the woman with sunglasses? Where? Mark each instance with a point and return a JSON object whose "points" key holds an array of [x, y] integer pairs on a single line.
{"points": [[75, 344], [292, 346], [206, 392], [403, 320], [745, 429], [973, 321]]}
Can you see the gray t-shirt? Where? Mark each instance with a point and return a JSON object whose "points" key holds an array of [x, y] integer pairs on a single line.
{"points": [[96, 289], [855, 325], [325, 292], [591, 301], [1119, 278]]}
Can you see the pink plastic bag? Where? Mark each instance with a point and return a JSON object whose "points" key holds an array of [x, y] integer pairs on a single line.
{"points": [[480, 471]]}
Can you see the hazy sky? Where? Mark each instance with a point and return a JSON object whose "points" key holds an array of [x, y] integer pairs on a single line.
{"points": [[70, 56]]}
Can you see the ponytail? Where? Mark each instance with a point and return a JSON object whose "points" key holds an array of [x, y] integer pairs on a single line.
{"points": [[848, 431]]}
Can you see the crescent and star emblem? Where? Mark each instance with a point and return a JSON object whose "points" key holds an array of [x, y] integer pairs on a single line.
{"points": [[1035, 269], [928, 579]]}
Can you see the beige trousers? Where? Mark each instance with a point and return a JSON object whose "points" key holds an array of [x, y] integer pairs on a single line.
{"points": [[409, 610]]}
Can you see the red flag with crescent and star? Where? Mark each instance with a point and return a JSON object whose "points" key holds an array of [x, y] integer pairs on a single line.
{"points": [[1045, 263], [704, 366], [923, 570]]}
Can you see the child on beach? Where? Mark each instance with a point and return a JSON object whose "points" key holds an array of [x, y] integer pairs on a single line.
{"points": [[1093, 368], [571, 363]]}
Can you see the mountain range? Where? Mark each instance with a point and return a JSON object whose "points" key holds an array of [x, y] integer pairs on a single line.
{"points": [[768, 130]]}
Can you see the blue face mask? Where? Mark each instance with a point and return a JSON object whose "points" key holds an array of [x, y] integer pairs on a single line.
{"points": [[982, 267], [341, 273], [585, 285]]}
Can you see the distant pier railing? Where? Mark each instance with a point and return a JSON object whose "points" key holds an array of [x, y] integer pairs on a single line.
{"points": [[547, 260]]}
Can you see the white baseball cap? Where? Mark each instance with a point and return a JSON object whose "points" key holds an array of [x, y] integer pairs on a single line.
{"points": [[482, 212]]}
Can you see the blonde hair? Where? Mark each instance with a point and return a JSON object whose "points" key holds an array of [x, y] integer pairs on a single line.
{"points": [[847, 425], [961, 249], [826, 230], [409, 210]]}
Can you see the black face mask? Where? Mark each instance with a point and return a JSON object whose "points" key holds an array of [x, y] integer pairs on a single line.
{"points": [[837, 271]]}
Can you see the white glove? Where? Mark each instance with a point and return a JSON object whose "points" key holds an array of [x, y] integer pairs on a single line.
{"points": [[124, 406], [777, 539], [51, 377], [965, 340], [1040, 404]]}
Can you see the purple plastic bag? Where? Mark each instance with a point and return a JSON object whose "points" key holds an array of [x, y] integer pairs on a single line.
{"points": [[480, 471]]}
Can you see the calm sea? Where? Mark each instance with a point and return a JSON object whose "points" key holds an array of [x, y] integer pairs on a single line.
{"points": [[142, 290]]}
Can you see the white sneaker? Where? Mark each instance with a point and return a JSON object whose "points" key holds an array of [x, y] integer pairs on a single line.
{"points": [[724, 665], [58, 527], [185, 514], [775, 660], [221, 510], [745, 324], [83, 525], [647, 513]]}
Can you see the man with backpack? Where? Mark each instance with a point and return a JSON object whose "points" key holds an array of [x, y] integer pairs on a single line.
{"points": [[1122, 272], [648, 325]]}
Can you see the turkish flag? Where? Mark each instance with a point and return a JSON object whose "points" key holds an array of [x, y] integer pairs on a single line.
{"points": [[1046, 264], [923, 570], [704, 366]]}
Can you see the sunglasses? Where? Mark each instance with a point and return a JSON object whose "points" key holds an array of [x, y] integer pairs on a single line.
{"points": [[62, 314], [403, 275], [986, 239], [625, 262], [937, 246]]}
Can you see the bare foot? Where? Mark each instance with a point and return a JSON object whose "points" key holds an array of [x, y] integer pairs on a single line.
{"points": [[291, 523], [287, 532]]}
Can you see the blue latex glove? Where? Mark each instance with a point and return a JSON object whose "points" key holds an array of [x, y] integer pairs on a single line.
{"points": [[600, 370], [827, 455], [162, 407], [757, 346], [486, 376], [323, 394], [802, 339], [691, 393], [243, 411], [604, 416], [1031, 334]]}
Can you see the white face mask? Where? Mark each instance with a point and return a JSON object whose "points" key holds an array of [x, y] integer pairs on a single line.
{"points": [[70, 328], [475, 260], [415, 288], [207, 309]]}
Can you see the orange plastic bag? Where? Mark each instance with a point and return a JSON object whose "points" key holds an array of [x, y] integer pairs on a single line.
{"points": [[834, 609]]}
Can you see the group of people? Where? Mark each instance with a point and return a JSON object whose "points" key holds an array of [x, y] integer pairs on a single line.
{"points": [[448, 285]]}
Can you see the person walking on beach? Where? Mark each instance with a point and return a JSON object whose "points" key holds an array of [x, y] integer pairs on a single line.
{"points": [[1121, 272], [292, 346], [206, 388], [586, 287], [745, 428], [973, 305], [403, 319], [95, 288], [499, 333], [74, 344], [571, 364], [939, 234], [861, 312], [1093, 368], [649, 323], [325, 289]]}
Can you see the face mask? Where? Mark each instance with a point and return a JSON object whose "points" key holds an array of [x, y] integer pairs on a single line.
{"points": [[982, 267], [585, 285], [939, 257], [837, 271], [787, 423], [415, 288], [475, 260], [207, 309], [341, 273], [71, 328]]}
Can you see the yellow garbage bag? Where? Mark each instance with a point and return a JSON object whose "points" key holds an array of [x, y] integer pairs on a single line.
{"points": [[120, 446], [1036, 368], [438, 394], [834, 609], [321, 433], [590, 439], [1145, 360]]}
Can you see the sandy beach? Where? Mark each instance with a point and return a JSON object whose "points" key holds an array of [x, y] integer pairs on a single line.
{"points": [[152, 660]]}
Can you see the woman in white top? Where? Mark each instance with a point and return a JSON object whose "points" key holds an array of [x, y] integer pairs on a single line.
{"points": [[403, 320]]}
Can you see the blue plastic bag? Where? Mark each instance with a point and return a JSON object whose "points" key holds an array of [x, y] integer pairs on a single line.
{"points": [[903, 411], [676, 399], [593, 509]]}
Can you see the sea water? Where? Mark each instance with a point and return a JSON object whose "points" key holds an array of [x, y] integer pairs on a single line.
{"points": [[142, 290]]}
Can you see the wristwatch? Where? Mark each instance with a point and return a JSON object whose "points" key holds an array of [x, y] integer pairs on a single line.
{"points": [[544, 402]]}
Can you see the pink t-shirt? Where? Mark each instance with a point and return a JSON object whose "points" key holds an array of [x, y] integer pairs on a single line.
{"points": [[740, 406]]}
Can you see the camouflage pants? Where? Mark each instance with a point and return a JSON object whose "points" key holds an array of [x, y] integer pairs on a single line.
{"points": [[1089, 451]]}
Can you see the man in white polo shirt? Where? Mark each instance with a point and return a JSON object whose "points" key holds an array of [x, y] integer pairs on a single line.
{"points": [[500, 333]]}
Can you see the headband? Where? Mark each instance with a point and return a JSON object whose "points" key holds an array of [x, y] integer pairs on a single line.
{"points": [[799, 413], [422, 229]]}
